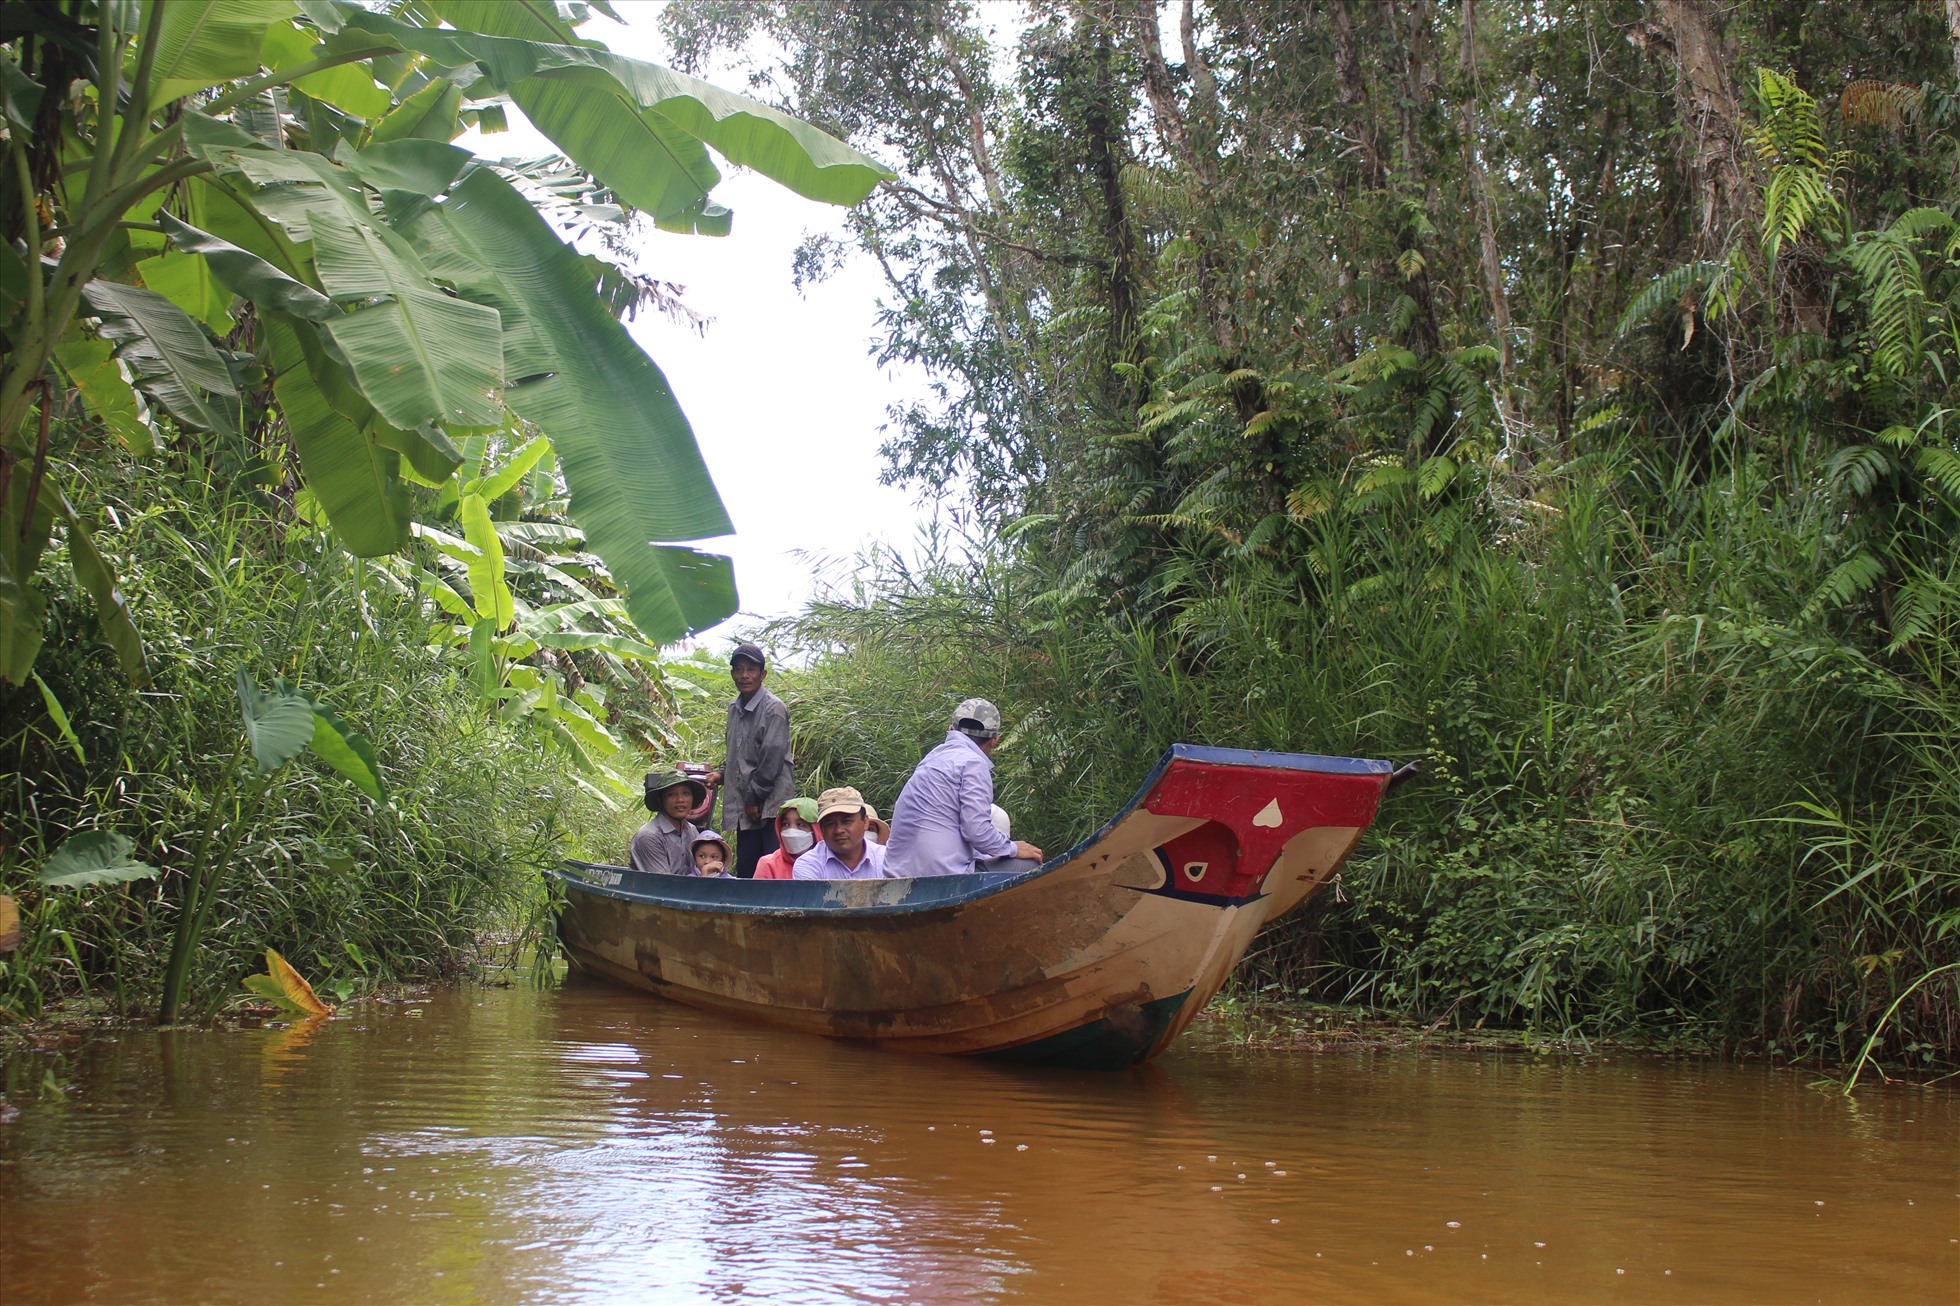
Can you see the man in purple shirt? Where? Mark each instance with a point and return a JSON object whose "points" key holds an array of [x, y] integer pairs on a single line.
{"points": [[943, 821], [844, 854]]}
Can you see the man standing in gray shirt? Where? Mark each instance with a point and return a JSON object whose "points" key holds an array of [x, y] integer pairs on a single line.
{"points": [[757, 776]]}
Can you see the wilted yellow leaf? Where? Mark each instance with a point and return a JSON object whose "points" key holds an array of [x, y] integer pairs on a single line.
{"points": [[295, 988]]}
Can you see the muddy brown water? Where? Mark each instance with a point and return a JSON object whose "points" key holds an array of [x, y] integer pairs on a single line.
{"points": [[584, 1145]]}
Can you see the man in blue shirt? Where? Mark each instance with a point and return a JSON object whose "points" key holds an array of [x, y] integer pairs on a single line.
{"points": [[943, 823]]}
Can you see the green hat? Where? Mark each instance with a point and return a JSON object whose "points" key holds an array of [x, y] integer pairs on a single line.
{"points": [[805, 808], [659, 782]]}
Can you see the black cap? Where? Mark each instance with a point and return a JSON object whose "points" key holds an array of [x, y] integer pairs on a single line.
{"points": [[750, 651]]}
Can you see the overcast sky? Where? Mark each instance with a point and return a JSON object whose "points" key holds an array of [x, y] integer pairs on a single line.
{"points": [[784, 397]]}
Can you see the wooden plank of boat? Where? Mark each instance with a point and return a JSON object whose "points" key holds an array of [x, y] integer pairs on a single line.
{"points": [[1099, 958]]}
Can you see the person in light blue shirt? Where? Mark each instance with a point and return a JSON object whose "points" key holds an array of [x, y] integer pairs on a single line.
{"points": [[943, 822], [844, 853]]}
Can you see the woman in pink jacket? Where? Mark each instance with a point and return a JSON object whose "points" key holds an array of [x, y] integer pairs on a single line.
{"points": [[795, 835]]}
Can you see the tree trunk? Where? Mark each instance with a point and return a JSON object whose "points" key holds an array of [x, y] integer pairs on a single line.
{"points": [[1354, 93], [1118, 237], [1712, 149], [1953, 32], [1425, 338], [1482, 208]]}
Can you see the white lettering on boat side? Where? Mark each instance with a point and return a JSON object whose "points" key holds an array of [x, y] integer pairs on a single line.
{"points": [[1268, 816]]}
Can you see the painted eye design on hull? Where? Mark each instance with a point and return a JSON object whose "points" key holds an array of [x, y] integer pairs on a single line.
{"points": [[1195, 871]]}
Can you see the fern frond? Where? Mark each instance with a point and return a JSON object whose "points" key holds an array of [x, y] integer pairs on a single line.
{"points": [[1858, 468], [1382, 476], [1846, 582], [1674, 286], [1912, 614], [1435, 475], [1309, 500], [1895, 298], [1868, 102], [1942, 467]]}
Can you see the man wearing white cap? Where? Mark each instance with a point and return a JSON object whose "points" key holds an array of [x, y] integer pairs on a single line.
{"points": [[943, 821], [844, 854]]}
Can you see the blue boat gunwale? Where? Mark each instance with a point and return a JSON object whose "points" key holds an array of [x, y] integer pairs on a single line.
{"points": [[803, 898]]}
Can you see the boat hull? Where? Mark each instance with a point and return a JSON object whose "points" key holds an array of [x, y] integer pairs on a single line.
{"points": [[1098, 959]]}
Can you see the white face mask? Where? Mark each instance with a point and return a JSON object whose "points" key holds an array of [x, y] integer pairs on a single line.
{"points": [[797, 842]]}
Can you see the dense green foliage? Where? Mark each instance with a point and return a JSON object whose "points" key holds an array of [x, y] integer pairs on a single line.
{"points": [[355, 892], [261, 317], [1566, 394]]}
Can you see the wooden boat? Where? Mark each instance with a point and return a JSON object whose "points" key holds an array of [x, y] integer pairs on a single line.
{"points": [[1099, 958]]}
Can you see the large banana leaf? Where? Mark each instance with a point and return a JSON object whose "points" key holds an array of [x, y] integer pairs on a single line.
{"points": [[350, 86], [93, 371], [168, 356], [188, 283], [98, 578], [488, 590], [419, 355], [355, 479], [247, 275], [648, 162], [204, 42], [635, 473], [747, 133]]}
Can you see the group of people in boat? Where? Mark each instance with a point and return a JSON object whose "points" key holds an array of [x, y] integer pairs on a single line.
{"points": [[945, 821]]}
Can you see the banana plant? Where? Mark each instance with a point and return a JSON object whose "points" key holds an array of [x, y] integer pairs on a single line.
{"points": [[202, 196], [512, 585]]}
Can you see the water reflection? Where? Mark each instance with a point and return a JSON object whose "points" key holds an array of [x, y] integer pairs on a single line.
{"points": [[587, 1145]]}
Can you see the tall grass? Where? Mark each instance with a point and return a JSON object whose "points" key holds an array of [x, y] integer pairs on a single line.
{"points": [[1663, 800], [353, 892]]}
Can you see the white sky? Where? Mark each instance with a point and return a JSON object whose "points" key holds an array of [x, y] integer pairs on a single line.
{"points": [[785, 399]]}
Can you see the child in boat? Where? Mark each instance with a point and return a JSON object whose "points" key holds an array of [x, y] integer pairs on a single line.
{"points": [[710, 855], [796, 834]]}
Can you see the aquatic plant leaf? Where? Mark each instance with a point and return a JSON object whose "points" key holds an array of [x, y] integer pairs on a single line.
{"points": [[348, 752], [295, 991], [279, 725], [97, 857]]}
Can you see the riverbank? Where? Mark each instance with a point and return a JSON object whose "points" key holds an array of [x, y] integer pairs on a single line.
{"points": [[1244, 1024]]}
